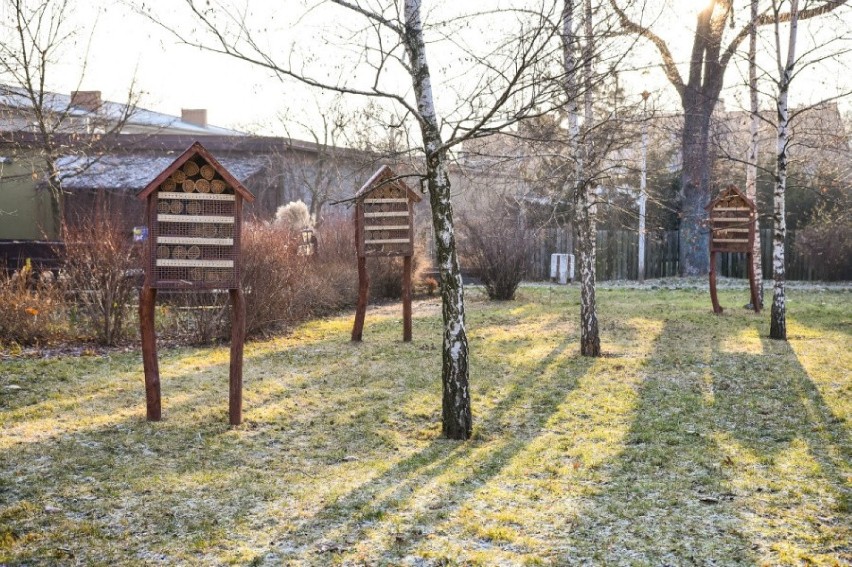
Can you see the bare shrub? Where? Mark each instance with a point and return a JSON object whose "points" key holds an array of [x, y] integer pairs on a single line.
{"points": [[283, 288], [332, 272], [497, 248], [386, 274], [827, 239], [198, 317], [98, 273], [272, 272], [32, 308]]}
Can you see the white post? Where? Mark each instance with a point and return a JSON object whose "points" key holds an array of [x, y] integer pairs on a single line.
{"points": [[643, 192]]}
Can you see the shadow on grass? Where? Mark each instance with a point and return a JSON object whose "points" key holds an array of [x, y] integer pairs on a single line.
{"points": [[733, 457], [96, 491], [446, 472]]}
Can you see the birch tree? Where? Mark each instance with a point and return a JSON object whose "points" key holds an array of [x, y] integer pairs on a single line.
{"points": [[778, 318], [393, 38], [713, 49], [751, 160], [582, 147]]}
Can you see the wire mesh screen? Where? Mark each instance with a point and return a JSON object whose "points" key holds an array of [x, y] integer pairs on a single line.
{"points": [[386, 221], [732, 224], [194, 230]]}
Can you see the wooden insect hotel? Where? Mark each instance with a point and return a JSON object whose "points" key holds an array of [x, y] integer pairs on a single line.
{"points": [[732, 224], [384, 226], [194, 216]]}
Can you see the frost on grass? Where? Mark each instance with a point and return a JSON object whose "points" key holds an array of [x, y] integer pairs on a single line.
{"points": [[694, 439]]}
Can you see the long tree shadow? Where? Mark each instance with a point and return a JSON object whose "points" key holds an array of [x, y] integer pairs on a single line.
{"points": [[421, 490], [788, 457], [733, 457], [119, 488]]}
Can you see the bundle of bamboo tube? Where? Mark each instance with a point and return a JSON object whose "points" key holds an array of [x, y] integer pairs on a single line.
{"points": [[207, 171], [190, 168]]}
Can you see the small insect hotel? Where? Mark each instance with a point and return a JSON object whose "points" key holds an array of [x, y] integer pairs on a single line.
{"points": [[732, 226], [194, 216], [384, 226]]}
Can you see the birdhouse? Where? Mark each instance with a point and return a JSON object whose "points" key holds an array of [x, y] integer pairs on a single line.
{"points": [[194, 216], [384, 216], [732, 221]]}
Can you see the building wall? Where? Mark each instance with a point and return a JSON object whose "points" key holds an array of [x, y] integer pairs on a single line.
{"points": [[25, 209]]}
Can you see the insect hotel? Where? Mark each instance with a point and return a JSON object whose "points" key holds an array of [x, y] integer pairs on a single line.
{"points": [[194, 216], [384, 226], [732, 225]]}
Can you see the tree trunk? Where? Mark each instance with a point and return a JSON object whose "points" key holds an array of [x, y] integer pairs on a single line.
{"points": [[778, 320], [751, 165], [580, 142], [590, 342], [643, 194], [695, 184], [456, 411]]}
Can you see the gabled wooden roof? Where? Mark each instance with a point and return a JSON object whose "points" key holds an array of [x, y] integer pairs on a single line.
{"points": [[192, 151], [729, 192], [384, 176]]}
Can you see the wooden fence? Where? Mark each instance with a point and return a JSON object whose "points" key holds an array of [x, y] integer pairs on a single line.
{"points": [[617, 255]]}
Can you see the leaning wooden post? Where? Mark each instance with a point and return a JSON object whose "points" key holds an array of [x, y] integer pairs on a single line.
{"points": [[194, 216], [147, 299], [713, 297], [406, 299], [384, 226], [363, 296], [238, 335]]}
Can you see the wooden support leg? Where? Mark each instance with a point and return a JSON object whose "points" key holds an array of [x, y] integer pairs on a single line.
{"points": [[713, 297], [147, 299], [363, 291], [752, 282], [406, 299], [238, 334]]}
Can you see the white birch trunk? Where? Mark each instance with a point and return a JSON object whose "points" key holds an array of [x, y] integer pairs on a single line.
{"points": [[778, 321], [751, 161], [456, 411], [584, 203], [580, 187], [643, 198], [569, 47]]}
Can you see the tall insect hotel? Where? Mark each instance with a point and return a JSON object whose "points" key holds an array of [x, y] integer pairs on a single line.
{"points": [[733, 218], [384, 226], [194, 217]]}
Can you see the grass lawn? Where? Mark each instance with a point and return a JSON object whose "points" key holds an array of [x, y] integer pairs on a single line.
{"points": [[695, 440]]}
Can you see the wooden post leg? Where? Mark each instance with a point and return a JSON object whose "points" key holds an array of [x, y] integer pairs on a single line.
{"points": [[406, 299], [147, 299], [752, 281], [363, 291], [238, 334], [713, 297]]}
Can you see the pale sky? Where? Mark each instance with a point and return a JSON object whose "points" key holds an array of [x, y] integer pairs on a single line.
{"points": [[174, 76]]}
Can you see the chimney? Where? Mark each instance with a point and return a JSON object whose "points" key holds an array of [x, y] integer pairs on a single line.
{"points": [[197, 116], [90, 100]]}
